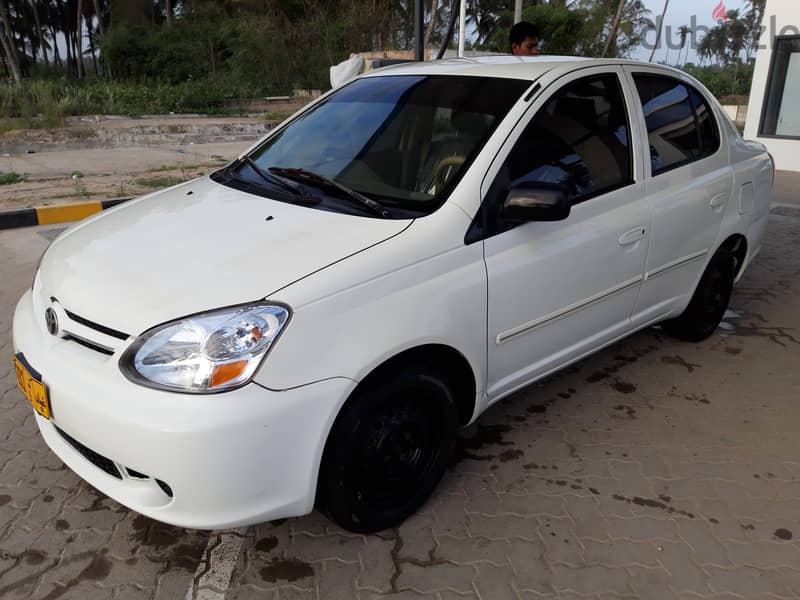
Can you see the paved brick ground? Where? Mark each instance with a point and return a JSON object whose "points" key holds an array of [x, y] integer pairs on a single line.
{"points": [[655, 469]]}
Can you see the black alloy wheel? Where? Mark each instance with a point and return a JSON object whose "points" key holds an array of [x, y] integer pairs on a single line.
{"points": [[709, 302], [388, 449]]}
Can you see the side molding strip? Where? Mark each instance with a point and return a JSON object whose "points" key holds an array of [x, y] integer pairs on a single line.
{"points": [[560, 314], [675, 264]]}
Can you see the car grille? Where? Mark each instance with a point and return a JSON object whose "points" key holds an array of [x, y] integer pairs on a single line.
{"points": [[81, 330], [98, 460], [97, 327], [87, 344]]}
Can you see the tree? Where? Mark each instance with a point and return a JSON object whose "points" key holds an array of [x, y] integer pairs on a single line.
{"points": [[580, 28], [684, 32], [9, 44], [660, 29], [100, 17], [79, 39], [714, 45], [612, 35], [42, 44]]}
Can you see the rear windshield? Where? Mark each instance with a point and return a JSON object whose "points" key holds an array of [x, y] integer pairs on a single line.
{"points": [[401, 140]]}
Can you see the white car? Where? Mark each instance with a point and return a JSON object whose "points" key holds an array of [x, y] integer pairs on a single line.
{"points": [[313, 323]]}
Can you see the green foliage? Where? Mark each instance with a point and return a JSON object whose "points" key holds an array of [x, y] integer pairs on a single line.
{"points": [[80, 189], [171, 54], [579, 29], [44, 102], [11, 177], [260, 54], [159, 182], [29, 122], [151, 56], [276, 116], [561, 29], [726, 42], [723, 81]]}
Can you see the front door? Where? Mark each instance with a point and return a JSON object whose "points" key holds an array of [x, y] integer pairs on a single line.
{"points": [[559, 290]]}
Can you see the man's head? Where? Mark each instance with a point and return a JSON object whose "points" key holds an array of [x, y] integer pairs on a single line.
{"points": [[524, 38]]}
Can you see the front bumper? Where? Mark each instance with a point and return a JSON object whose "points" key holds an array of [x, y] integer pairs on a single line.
{"points": [[230, 459]]}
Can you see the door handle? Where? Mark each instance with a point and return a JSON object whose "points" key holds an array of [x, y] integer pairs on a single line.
{"points": [[632, 236], [719, 200]]}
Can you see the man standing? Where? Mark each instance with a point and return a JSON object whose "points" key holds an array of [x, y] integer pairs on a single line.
{"points": [[524, 38]]}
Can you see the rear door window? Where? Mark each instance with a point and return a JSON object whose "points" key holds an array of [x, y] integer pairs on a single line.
{"points": [[707, 123], [681, 126]]}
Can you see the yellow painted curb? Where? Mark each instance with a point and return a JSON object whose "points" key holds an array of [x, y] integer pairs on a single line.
{"points": [[67, 212]]}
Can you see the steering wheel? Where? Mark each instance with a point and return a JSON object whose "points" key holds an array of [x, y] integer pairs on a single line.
{"points": [[444, 168]]}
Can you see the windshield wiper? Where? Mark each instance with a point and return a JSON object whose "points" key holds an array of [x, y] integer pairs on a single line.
{"points": [[305, 175], [289, 186]]}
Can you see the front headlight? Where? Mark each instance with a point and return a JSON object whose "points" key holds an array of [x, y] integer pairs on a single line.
{"points": [[208, 352]]}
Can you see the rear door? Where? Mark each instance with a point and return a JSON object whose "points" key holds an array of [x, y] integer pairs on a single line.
{"points": [[689, 186], [557, 291]]}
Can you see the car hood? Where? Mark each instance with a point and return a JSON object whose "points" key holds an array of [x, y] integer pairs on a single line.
{"points": [[195, 247]]}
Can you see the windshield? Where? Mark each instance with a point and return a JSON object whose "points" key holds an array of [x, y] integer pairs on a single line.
{"points": [[403, 141]]}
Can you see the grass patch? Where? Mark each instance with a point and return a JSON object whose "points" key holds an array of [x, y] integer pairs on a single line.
{"points": [[76, 194], [159, 182], [42, 102], [51, 121], [191, 167], [12, 177], [276, 116]]}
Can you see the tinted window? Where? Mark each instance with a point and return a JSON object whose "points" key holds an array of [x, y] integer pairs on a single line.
{"points": [[402, 140], [707, 123], [579, 140], [671, 111]]}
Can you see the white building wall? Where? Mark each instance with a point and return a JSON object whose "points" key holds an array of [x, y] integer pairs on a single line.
{"points": [[782, 17]]}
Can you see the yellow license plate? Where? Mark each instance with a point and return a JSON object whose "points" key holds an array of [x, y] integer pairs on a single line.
{"points": [[33, 389]]}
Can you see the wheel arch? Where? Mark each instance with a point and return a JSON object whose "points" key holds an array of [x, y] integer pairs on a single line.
{"points": [[737, 244], [453, 364], [455, 367]]}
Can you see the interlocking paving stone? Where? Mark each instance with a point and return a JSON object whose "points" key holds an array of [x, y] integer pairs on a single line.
{"points": [[577, 487]]}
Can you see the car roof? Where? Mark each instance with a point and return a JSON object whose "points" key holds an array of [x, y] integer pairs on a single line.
{"points": [[508, 66]]}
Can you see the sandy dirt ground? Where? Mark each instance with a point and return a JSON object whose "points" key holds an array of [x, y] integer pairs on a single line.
{"points": [[98, 159]]}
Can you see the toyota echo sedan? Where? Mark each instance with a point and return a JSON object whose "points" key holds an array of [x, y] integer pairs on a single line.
{"points": [[312, 324]]}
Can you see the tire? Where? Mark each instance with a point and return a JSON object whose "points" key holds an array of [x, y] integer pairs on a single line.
{"points": [[709, 302], [388, 449]]}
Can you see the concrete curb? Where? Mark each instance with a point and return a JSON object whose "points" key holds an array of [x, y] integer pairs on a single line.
{"points": [[58, 213]]}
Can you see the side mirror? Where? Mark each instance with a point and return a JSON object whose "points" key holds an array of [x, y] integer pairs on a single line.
{"points": [[536, 202]]}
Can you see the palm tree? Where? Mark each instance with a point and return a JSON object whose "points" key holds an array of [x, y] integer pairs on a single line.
{"points": [[99, 14], [754, 17], [714, 45], [683, 31], [612, 34], [9, 43], [738, 32], [41, 41], [660, 28]]}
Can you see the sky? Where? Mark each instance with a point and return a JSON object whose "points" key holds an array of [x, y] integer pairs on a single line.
{"points": [[680, 12]]}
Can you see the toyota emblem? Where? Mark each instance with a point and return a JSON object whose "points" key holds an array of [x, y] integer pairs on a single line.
{"points": [[51, 320]]}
